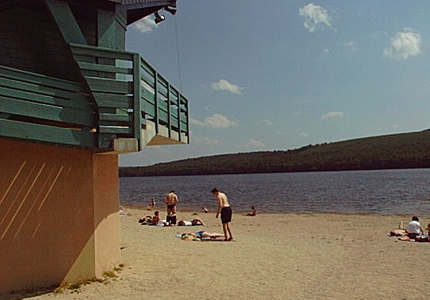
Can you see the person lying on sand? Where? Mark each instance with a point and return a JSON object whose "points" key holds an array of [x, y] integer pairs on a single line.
{"points": [[154, 220], [203, 236], [194, 222]]}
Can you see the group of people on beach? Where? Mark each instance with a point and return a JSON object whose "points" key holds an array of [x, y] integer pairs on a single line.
{"points": [[171, 200], [413, 232]]}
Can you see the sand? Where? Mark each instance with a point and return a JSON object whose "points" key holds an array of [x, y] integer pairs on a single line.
{"points": [[274, 256]]}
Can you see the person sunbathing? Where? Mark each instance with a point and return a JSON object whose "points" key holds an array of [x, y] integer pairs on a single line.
{"points": [[194, 222], [203, 236]]}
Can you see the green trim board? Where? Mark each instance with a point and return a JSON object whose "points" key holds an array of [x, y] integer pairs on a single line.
{"points": [[48, 105], [46, 112], [44, 133]]}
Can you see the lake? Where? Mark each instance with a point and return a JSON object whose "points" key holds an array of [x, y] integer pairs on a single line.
{"points": [[381, 192]]}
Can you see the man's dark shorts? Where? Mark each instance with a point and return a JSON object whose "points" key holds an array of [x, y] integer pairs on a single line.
{"points": [[226, 215]]}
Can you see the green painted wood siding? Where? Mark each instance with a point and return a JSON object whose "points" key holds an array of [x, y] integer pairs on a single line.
{"points": [[45, 109], [129, 93]]}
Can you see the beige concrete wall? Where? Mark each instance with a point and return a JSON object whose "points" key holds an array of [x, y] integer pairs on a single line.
{"points": [[52, 208], [106, 207]]}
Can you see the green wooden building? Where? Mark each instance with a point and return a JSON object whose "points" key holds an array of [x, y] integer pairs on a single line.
{"points": [[71, 99], [67, 79]]}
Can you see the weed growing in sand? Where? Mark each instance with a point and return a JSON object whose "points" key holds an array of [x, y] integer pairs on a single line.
{"points": [[76, 287], [110, 274]]}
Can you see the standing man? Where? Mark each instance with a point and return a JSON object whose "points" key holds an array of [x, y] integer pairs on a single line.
{"points": [[225, 210], [171, 200]]}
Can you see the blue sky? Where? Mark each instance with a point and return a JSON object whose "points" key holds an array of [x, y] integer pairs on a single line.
{"points": [[277, 75]]}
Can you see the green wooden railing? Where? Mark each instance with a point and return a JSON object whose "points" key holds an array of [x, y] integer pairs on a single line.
{"points": [[129, 92], [42, 108]]}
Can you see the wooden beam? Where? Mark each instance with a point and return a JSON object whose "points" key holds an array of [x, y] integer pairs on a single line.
{"points": [[66, 22]]}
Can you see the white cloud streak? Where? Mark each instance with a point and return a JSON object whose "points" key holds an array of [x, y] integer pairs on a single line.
{"points": [[332, 114], [304, 134], [224, 85], [404, 44], [214, 121], [145, 25], [205, 141], [351, 44], [267, 122], [316, 17], [252, 143]]}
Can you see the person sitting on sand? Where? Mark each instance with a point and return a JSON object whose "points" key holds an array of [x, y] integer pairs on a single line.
{"points": [[253, 212], [156, 218], [414, 228]]}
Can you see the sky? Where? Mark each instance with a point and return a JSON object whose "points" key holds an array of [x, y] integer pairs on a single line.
{"points": [[277, 75]]}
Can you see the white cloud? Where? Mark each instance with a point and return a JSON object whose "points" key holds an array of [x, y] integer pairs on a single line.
{"points": [[316, 17], [224, 85], [145, 25], [252, 143], [351, 44], [267, 122], [205, 140], [197, 122], [404, 44], [215, 121], [332, 114], [304, 134]]}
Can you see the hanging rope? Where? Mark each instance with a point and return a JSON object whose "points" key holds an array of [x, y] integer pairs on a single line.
{"points": [[178, 57]]}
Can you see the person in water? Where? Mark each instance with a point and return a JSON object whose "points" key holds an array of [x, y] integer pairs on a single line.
{"points": [[253, 212], [225, 210]]}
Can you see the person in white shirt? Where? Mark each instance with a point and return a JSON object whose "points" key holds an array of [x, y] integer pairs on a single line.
{"points": [[414, 228]]}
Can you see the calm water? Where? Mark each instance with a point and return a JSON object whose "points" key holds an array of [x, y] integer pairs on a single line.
{"points": [[382, 191]]}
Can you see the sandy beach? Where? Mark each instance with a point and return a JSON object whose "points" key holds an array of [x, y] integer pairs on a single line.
{"points": [[273, 256]]}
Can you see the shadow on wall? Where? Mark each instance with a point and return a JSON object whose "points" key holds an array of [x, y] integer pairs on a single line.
{"points": [[47, 215]]}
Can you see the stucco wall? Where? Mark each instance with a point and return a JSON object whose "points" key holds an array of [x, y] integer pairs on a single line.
{"points": [[56, 205]]}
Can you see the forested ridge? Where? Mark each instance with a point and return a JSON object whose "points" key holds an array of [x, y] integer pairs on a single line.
{"points": [[396, 151]]}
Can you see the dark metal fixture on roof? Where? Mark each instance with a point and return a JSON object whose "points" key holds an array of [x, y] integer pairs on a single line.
{"points": [[158, 18], [171, 10]]}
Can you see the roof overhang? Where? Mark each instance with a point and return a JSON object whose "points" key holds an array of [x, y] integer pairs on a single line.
{"points": [[138, 9]]}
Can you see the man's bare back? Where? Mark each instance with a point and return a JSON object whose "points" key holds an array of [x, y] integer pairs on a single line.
{"points": [[171, 199], [222, 200]]}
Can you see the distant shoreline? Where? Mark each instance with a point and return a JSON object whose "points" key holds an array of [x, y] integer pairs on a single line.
{"points": [[123, 174]]}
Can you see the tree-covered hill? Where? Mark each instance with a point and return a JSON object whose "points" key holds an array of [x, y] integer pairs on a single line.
{"points": [[406, 150]]}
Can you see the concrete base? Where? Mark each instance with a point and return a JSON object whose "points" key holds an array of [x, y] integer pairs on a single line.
{"points": [[59, 220]]}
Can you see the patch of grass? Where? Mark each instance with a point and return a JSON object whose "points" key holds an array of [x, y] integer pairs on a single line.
{"points": [[76, 286], [110, 274]]}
